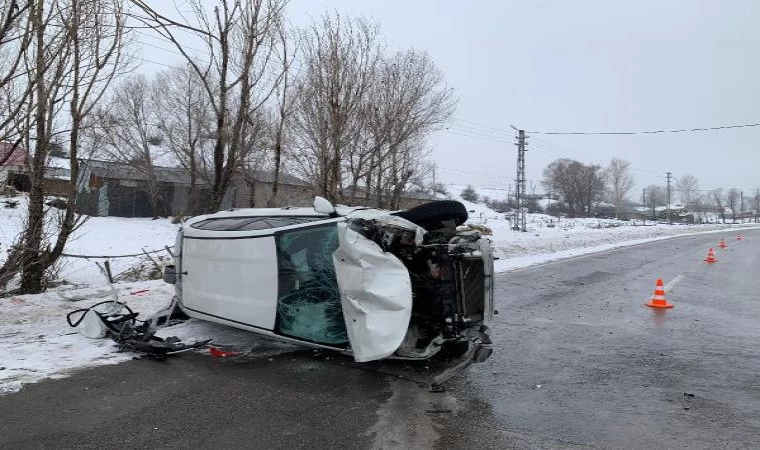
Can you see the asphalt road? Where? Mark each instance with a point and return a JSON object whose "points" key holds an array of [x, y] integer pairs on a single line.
{"points": [[579, 362]]}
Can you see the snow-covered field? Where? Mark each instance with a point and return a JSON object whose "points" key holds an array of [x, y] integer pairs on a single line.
{"points": [[37, 343], [571, 237]]}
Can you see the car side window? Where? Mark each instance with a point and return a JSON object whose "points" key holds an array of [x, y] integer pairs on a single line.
{"points": [[309, 304]]}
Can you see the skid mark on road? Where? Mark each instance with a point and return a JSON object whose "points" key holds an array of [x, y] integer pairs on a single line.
{"points": [[402, 422], [674, 282]]}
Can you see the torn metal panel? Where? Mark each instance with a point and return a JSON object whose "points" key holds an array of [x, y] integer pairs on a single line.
{"points": [[376, 294]]}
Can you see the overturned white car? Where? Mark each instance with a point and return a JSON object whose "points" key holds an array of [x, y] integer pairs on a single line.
{"points": [[365, 282]]}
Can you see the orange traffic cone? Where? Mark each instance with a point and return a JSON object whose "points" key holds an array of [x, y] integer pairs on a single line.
{"points": [[658, 299], [738, 237], [710, 257], [722, 244]]}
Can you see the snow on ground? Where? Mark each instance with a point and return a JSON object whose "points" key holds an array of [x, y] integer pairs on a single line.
{"points": [[98, 236], [549, 240], [37, 343]]}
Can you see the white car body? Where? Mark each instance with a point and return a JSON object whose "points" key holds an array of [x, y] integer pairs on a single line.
{"points": [[328, 279]]}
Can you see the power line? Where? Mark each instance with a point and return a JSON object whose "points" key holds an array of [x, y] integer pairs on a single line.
{"points": [[565, 149], [471, 129], [487, 127], [468, 172], [625, 133], [475, 136], [541, 146], [492, 129]]}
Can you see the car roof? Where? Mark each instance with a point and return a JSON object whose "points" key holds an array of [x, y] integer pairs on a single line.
{"points": [[288, 211], [192, 231]]}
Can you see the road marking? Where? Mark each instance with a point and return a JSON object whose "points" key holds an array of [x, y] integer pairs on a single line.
{"points": [[673, 282]]}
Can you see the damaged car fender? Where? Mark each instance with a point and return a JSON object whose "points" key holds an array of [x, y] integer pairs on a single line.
{"points": [[376, 295]]}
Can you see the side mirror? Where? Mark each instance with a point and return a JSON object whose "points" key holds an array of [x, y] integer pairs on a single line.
{"points": [[323, 206]]}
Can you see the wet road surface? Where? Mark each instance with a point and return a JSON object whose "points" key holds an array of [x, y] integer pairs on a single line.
{"points": [[580, 362]]}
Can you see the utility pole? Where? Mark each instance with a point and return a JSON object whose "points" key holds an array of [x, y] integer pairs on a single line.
{"points": [[644, 202], [670, 176], [520, 218]]}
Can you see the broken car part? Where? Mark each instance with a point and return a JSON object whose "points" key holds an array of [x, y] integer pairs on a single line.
{"points": [[365, 282]]}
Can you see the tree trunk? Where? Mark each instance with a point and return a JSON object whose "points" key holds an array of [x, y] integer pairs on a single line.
{"points": [[217, 193], [32, 267], [368, 183], [192, 202], [379, 188], [252, 194], [272, 202]]}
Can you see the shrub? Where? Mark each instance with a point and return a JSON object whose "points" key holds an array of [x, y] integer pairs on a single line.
{"points": [[470, 194]]}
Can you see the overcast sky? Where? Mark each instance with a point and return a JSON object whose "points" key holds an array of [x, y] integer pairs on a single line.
{"points": [[582, 66]]}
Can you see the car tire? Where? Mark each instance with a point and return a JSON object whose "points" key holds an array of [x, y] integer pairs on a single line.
{"points": [[432, 216]]}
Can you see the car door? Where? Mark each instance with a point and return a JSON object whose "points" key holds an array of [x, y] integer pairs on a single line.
{"points": [[233, 279]]}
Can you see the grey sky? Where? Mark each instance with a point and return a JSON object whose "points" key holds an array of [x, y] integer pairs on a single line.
{"points": [[583, 66]]}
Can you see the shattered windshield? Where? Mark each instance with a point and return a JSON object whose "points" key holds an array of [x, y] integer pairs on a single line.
{"points": [[309, 304]]}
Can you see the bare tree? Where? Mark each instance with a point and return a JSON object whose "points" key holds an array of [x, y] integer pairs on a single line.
{"points": [[408, 100], [283, 111], [655, 196], [186, 121], [130, 127], [700, 207], [688, 189], [756, 205], [74, 52], [580, 185], [256, 158], [733, 201], [240, 39], [15, 36], [411, 167], [718, 199], [339, 57], [621, 182]]}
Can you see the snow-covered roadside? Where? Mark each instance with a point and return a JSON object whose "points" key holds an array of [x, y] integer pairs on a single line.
{"points": [[520, 262], [37, 343], [548, 240], [97, 236]]}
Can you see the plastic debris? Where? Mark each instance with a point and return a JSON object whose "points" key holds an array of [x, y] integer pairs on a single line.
{"points": [[219, 353]]}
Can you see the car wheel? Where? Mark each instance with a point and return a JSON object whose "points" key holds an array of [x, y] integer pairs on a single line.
{"points": [[432, 216]]}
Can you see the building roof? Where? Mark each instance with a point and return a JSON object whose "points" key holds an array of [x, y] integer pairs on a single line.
{"points": [[18, 156], [123, 171], [264, 176], [174, 175]]}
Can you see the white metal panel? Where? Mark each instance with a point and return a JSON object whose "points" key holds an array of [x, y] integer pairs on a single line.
{"points": [[193, 232], [234, 279], [376, 294]]}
